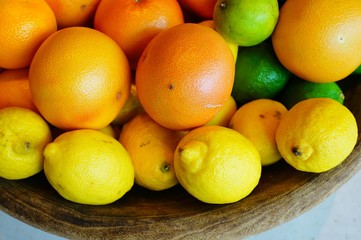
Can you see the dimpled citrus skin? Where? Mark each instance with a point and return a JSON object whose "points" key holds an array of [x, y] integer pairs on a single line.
{"points": [[184, 76], [14, 89], [298, 89], [25, 24], [133, 23], [319, 40], [246, 22], [258, 120], [233, 46], [317, 134], [74, 13], [87, 166], [79, 78], [151, 147], [217, 165], [23, 135], [259, 74]]}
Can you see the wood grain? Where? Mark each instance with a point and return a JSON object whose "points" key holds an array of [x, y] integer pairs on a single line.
{"points": [[282, 194]]}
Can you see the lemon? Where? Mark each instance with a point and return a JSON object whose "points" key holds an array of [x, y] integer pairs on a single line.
{"points": [[89, 167], [316, 134], [258, 120], [246, 22], [225, 114], [23, 135], [217, 165], [109, 130], [151, 147], [234, 49]]}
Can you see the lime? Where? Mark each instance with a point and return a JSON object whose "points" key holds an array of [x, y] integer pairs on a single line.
{"points": [[246, 22], [298, 89], [258, 74], [358, 70]]}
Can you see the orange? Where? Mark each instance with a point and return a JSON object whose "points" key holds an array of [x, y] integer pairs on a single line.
{"points": [[151, 148], [258, 121], [133, 23], [14, 89], [233, 46], [208, 23], [79, 78], [319, 40], [202, 8], [185, 76], [24, 26], [74, 13]]}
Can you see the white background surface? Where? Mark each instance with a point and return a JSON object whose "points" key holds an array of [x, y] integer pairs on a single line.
{"points": [[336, 218]]}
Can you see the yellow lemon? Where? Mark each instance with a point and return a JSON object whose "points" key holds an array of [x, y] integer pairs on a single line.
{"points": [[109, 130], [87, 166], [151, 147], [316, 134], [258, 121], [217, 165], [234, 48], [23, 135], [225, 114]]}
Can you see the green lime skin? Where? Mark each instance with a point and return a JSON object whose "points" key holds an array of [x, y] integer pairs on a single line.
{"points": [[246, 22], [357, 71], [298, 89], [259, 74]]}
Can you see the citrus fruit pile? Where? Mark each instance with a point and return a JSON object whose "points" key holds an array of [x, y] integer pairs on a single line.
{"points": [[102, 95]]}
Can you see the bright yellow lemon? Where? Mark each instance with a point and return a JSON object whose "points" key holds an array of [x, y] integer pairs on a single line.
{"points": [[217, 165]]}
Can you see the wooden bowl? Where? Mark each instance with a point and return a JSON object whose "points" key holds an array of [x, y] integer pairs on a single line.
{"points": [[282, 194]]}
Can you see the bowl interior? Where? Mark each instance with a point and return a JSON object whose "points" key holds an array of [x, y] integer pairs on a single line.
{"points": [[282, 194]]}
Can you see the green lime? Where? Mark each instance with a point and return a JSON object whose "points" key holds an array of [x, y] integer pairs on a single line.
{"points": [[246, 22], [357, 71], [258, 74], [298, 89]]}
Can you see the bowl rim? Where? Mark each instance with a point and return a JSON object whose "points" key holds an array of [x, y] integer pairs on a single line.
{"points": [[58, 216]]}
